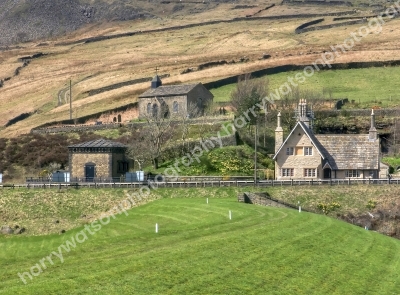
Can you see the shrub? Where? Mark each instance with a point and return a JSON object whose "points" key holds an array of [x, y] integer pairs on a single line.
{"points": [[326, 208], [371, 204]]}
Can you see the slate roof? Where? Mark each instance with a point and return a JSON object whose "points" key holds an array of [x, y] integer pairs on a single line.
{"points": [[169, 90], [350, 151], [98, 143]]}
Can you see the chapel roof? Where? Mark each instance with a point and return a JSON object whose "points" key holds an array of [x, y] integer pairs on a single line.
{"points": [[169, 90]]}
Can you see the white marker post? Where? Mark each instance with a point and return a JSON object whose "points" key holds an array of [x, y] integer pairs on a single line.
{"points": [[156, 228], [207, 200], [230, 214], [299, 209]]}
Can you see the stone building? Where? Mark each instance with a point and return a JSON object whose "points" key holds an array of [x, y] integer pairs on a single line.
{"points": [[305, 155], [171, 100], [98, 160]]}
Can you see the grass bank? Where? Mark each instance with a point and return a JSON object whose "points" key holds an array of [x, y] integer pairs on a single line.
{"points": [[368, 87], [199, 250]]}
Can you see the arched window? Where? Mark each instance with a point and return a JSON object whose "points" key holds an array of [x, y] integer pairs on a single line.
{"points": [[149, 108], [119, 119], [175, 107], [155, 110]]}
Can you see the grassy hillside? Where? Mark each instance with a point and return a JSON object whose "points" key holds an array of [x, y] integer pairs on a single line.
{"points": [[367, 87], [198, 250], [94, 65]]}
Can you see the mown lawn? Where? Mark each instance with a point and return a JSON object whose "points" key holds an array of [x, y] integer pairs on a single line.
{"points": [[198, 250], [367, 87]]}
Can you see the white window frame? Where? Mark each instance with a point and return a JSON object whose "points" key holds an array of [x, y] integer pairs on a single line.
{"points": [[308, 151], [290, 151], [353, 173], [286, 172], [310, 172]]}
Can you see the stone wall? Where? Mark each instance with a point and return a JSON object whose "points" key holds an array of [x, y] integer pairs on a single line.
{"points": [[103, 163], [169, 100], [116, 157], [262, 199], [199, 92]]}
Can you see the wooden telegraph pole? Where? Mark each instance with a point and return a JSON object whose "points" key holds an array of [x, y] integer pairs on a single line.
{"points": [[255, 156], [70, 99]]}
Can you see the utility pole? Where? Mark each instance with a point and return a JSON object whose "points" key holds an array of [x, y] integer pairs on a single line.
{"points": [[70, 99], [255, 155]]}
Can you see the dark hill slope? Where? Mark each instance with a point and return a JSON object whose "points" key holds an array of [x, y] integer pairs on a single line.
{"points": [[23, 20]]}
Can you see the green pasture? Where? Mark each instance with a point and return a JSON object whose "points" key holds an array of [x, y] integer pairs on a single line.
{"points": [[368, 87], [199, 250]]}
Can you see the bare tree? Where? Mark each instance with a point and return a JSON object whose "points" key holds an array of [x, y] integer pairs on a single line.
{"points": [[139, 151], [249, 94], [157, 129]]}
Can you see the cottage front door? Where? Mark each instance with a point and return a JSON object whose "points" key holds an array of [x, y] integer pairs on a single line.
{"points": [[90, 171], [327, 173]]}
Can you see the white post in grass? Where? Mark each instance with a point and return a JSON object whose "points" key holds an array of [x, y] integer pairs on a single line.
{"points": [[207, 200], [156, 228], [230, 214], [299, 209]]}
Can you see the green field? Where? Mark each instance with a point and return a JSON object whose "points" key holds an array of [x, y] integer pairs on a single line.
{"points": [[367, 87], [198, 250]]}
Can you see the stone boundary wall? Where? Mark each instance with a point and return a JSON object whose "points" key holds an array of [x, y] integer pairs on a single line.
{"points": [[122, 84], [25, 62], [238, 19], [82, 120], [78, 128], [324, 27], [318, 2], [261, 10], [87, 127], [264, 199], [307, 24], [389, 112]]}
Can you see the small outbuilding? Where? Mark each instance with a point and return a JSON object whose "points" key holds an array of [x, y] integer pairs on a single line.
{"points": [[171, 100], [98, 160]]}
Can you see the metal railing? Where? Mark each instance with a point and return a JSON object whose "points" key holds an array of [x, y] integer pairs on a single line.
{"points": [[200, 181]]}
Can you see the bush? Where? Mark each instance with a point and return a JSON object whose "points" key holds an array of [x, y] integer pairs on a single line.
{"points": [[371, 204], [326, 208]]}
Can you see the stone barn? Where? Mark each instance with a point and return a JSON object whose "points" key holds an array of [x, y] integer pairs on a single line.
{"points": [[174, 99], [98, 160]]}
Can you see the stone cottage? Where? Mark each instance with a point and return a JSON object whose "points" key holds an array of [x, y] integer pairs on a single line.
{"points": [[171, 100], [98, 160], [305, 155]]}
